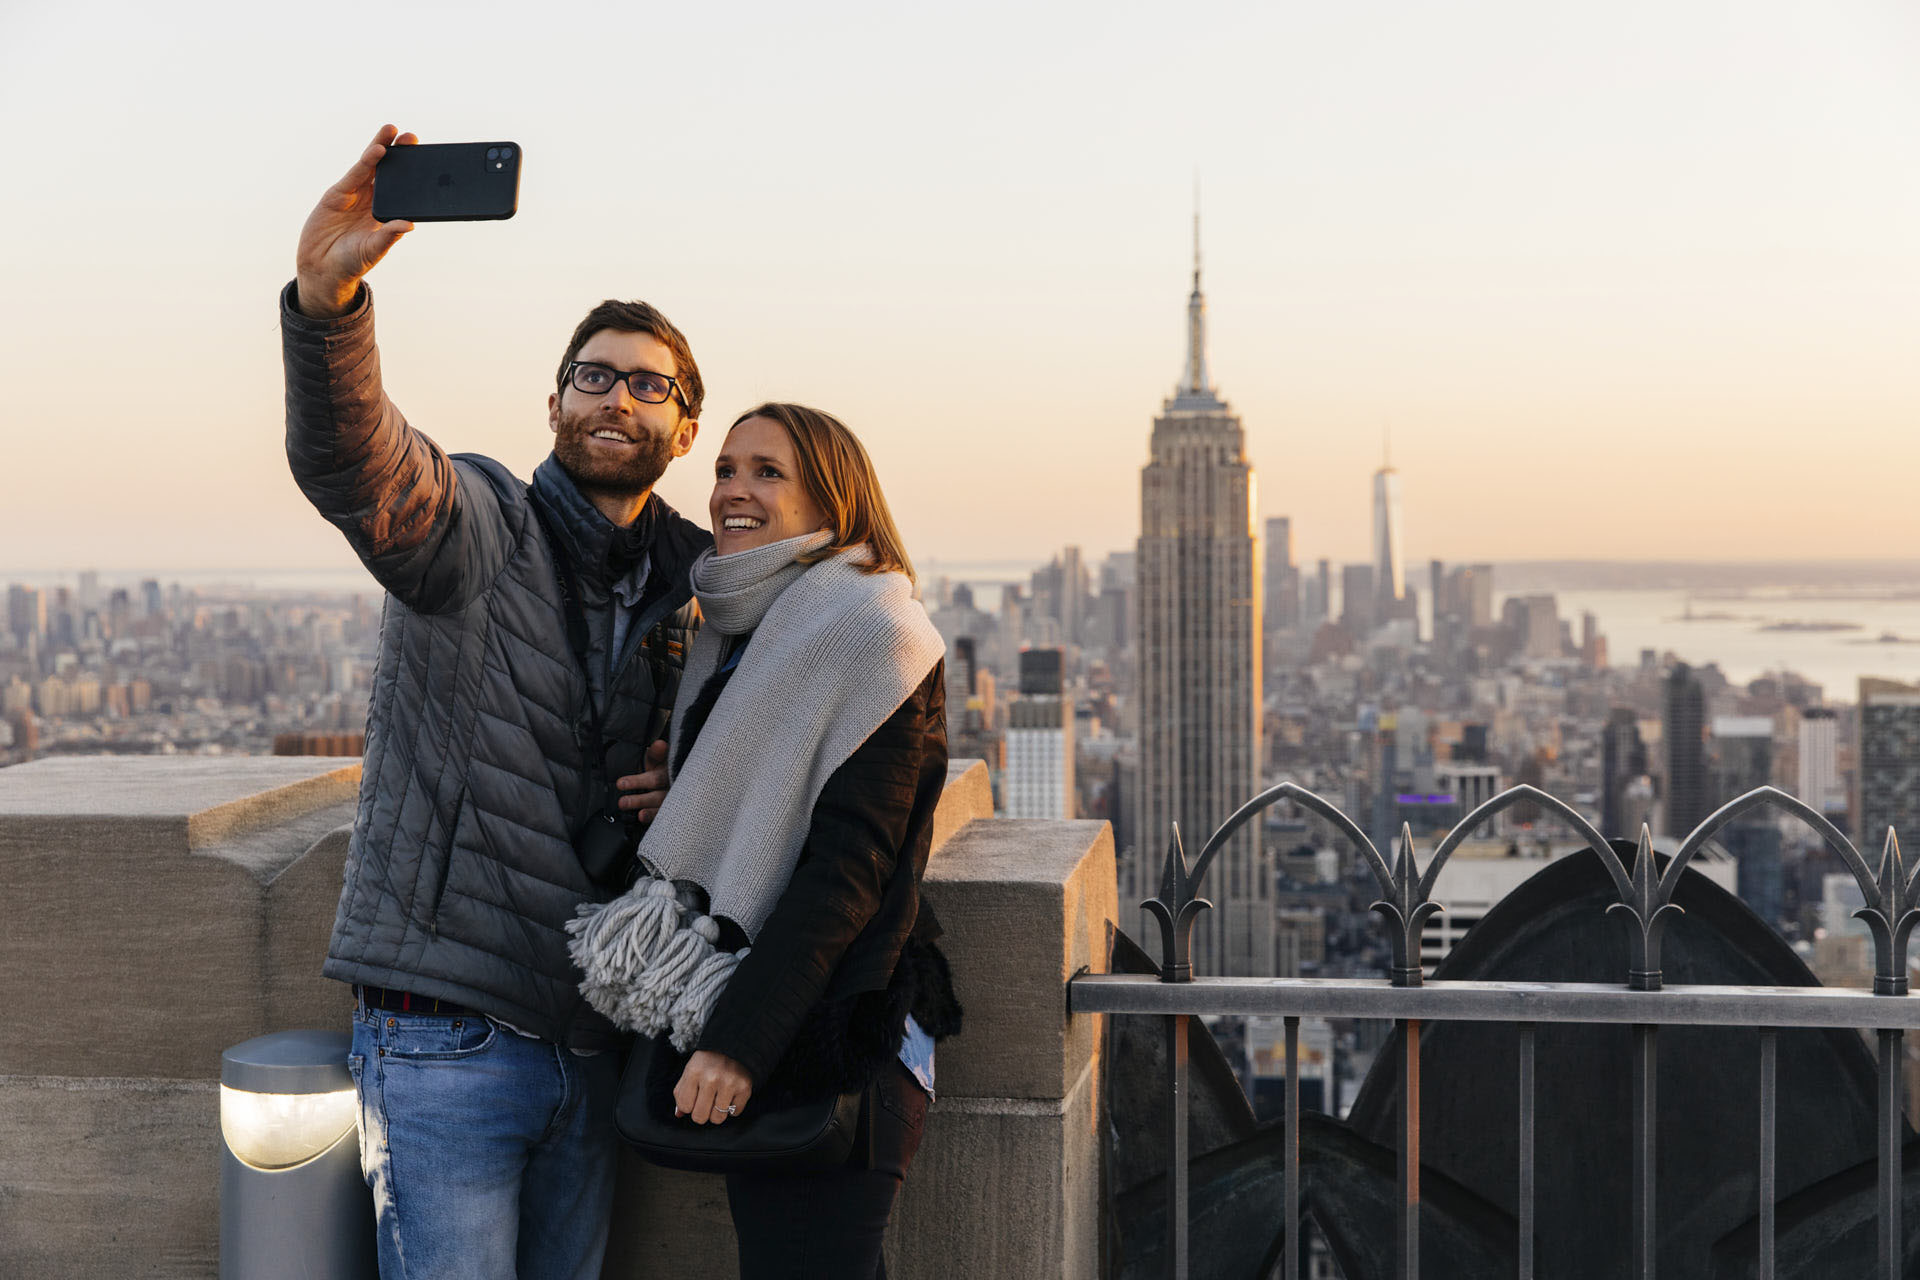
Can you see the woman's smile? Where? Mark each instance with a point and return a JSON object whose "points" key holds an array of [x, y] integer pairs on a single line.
{"points": [[758, 496]]}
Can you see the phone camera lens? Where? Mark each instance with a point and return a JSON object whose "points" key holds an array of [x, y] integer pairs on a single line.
{"points": [[493, 153], [506, 153]]}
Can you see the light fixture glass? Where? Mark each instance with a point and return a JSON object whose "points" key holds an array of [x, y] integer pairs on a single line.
{"points": [[280, 1130]]}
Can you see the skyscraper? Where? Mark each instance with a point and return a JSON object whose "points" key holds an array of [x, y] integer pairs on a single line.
{"points": [[26, 612], [1623, 762], [1476, 593], [1359, 600], [1282, 604], [1889, 764], [1535, 622], [1819, 759], [1060, 593], [1742, 756], [1684, 731], [1198, 643], [1073, 594], [1039, 777], [1389, 561], [1743, 760]]}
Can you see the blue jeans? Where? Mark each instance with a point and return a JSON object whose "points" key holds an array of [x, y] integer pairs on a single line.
{"points": [[491, 1155]]}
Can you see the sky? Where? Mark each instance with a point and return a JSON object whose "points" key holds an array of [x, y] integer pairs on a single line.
{"points": [[1621, 281]]}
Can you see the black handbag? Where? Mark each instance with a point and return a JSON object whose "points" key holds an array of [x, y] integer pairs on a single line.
{"points": [[800, 1137]]}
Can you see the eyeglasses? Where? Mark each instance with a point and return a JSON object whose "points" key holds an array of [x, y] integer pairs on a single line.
{"points": [[598, 380]]}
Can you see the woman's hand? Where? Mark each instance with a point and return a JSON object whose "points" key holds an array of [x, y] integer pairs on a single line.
{"points": [[712, 1089]]}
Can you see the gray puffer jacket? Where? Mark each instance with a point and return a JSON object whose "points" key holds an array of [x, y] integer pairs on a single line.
{"points": [[462, 875]]}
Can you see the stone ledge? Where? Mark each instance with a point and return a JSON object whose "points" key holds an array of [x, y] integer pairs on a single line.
{"points": [[967, 797], [161, 957], [1025, 904], [1006, 1191], [205, 798]]}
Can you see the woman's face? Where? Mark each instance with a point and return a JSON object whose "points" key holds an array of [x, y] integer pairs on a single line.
{"points": [[757, 494]]}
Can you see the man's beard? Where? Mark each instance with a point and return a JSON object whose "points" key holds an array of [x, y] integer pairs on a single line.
{"points": [[594, 473]]}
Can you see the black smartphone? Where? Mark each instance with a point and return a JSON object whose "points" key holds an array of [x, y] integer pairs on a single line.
{"points": [[448, 182]]}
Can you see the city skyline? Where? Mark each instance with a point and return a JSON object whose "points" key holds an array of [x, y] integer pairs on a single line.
{"points": [[1660, 261]]}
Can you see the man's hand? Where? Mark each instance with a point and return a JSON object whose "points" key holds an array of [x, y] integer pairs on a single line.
{"points": [[341, 242], [644, 792], [711, 1084]]}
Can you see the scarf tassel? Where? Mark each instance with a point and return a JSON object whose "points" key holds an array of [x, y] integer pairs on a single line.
{"points": [[646, 965], [695, 1003]]}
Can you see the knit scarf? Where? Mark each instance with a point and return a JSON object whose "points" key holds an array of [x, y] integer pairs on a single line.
{"points": [[835, 651]]}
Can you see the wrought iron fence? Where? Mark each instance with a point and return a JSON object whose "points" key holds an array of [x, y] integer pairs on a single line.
{"points": [[1642, 1002]]}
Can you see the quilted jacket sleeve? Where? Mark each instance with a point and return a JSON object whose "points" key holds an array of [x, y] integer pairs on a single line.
{"points": [[429, 539], [859, 827]]}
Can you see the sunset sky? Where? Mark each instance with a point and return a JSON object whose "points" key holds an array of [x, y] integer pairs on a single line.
{"points": [[1625, 280]]}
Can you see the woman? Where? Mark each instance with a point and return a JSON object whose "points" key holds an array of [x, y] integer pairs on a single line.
{"points": [[777, 933]]}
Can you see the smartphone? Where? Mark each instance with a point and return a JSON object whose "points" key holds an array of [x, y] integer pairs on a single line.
{"points": [[448, 182]]}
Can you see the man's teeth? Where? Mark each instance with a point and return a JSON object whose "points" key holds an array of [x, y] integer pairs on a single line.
{"points": [[741, 522], [604, 434]]}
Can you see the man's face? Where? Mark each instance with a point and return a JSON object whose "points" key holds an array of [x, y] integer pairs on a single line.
{"points": [[613, 443]]}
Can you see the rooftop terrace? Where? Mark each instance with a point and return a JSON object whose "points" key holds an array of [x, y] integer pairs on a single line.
{"points": [[1591, 1083]]}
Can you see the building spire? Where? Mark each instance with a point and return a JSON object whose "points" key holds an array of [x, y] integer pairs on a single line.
{"points": [[1196, 231], [1194, 381]]}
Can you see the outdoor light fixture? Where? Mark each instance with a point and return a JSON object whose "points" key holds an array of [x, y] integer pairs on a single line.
{"points": [[270, 1131], [290, 1181]]}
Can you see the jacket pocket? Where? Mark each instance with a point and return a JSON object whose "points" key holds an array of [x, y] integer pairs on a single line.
{"points": [[465, 824]]}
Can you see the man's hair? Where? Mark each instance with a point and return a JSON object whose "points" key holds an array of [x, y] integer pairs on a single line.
{"points": [[639, 317], [840, 479]]}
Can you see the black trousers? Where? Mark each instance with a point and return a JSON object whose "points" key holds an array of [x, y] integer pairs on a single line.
{"points": [[828, 1226]]}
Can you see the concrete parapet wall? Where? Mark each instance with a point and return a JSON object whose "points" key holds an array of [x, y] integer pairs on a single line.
{"points": [[159, 911], [108, 1177]]}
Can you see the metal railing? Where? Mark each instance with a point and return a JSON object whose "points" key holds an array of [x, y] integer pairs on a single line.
{"points": [[1645, 900]]}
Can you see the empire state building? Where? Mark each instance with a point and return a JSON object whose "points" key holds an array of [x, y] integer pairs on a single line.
{"points": [[1197, 636]]}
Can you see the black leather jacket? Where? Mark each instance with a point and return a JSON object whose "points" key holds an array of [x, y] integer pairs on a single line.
{"points": [[820, 1002]]}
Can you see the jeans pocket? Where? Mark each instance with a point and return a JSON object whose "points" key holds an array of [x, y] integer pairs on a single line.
{"points": [[413, 1038]]}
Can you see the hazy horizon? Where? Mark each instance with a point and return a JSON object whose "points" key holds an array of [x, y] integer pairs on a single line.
{"points": [[1633, 282], [1889, 571]]}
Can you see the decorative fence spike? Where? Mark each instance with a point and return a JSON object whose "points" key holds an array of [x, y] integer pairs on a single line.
{"points": [[1176, 910], [1648, 906], [1890, 915], [1407, 910]]}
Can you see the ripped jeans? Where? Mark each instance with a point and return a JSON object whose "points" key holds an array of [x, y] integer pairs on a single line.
{"points": [[491, 1155]]}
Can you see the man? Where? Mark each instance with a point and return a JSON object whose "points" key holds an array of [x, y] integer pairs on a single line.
{"points": [[531, 641]]}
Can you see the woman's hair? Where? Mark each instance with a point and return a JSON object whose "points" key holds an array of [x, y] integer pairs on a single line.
{"points": [[840, 479]]}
